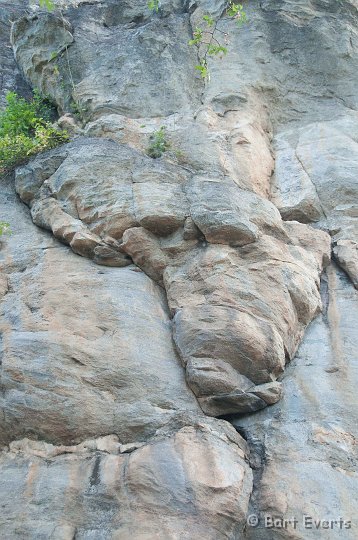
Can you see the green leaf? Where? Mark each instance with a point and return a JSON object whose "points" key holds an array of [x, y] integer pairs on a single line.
{"points": [[25, 130], [197, 37], [154, 5], [214, 50], [4, 228], [48, 4], [159, 143], [203, 70], [236, 11], [209, 20]]}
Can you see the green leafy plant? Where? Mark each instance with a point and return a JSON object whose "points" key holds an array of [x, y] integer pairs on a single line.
{"points": [[47, 4], [206, 39], [78, 110], [158, 143], [4, 228], [26, 130], [154, 5]]}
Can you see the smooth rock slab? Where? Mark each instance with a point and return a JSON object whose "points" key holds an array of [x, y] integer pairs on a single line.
{"points": [[117, 82], [189, 484], [316, 180], [85, 350], [304, 448]]}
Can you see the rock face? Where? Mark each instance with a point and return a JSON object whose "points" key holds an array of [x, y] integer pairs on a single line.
{"points": [[106, 493], [321, 161], [114, 205], [304, 449], [156, 294], [87, 351]]}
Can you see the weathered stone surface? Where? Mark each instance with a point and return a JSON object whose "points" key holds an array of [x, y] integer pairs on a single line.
{"points": [[82, 345], [293, 192], [50, 37], [226, 214], [244, 325], [123, 495], [231, 335], [269, 392], [235, 402], [241, 284], [206, 376], [316, 181], [304, 448], [120, 81], [161, 208], [73, 368], [108, 256], [217, 288], [346, 253], [11, 78], [144, 248], [109, 187]]}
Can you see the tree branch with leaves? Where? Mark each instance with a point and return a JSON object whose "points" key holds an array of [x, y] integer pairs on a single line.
{"points": [[210, 40]]}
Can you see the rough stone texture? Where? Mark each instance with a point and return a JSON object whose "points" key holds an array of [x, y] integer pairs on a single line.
{"points": [[10, 73], [304, 449], [101, 492], [119, 81], [215, 266], [85, 350], [104, 192], [316, 181]]}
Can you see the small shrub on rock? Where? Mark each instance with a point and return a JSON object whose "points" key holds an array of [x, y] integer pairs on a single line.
{"points": [[158, 143], [4, 228], [25, 130]]}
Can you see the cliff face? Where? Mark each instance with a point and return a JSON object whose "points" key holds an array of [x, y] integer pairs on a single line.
{"points": [[142, 298]]}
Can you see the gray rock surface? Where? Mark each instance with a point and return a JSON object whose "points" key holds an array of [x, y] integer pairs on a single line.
{"points": [[86, 350], [304, 449], [316, 181], [88, 364], [102, 492], [105, 421], [10, 73], [105, 198], [96, 82]]}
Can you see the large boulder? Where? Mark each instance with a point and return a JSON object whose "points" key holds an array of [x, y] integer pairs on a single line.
{"points": [[241, 284]]}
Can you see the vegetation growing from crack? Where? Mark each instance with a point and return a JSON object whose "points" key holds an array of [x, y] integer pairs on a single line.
{"points": [[206, 38], [209, 39], [158, 144], [26, 130], [76, 107], [48, 4], [4, 228], [154, 5]]}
